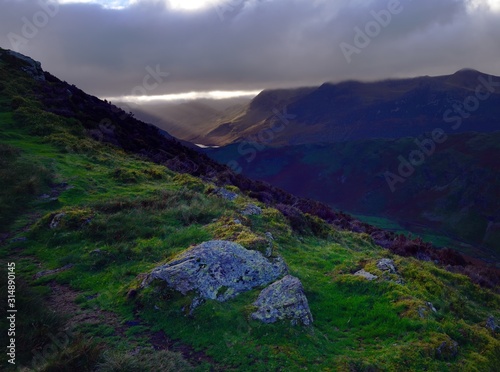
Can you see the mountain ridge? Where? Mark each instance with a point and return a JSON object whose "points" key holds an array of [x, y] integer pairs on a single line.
{"points": [[390, 108]]}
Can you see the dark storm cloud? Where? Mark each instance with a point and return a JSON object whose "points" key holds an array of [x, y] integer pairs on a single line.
{"points": [[261, 43]]}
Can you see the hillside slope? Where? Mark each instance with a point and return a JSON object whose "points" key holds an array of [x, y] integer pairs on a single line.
{"points": [[92, 200], [455, 192], [187, 120]]}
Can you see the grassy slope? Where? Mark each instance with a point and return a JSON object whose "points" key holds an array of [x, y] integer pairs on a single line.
{"points": [[437, 198], [139, 214]]}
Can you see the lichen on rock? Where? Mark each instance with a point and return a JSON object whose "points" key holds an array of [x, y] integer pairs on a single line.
{"points": [[218, 270], [284, 299], [386, 264]]}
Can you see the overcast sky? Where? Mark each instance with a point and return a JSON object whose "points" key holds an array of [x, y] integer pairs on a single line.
{"points": [[104, 47]]}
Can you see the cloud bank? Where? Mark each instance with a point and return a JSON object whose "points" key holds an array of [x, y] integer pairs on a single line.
{"points": [[250, 44]]}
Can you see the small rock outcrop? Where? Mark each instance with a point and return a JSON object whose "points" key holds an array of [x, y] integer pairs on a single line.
{"points": [[56, 220], [447, 350], [422, 311], [226, 194], [269, 236], [41, 274], [32, 68], [365, 274], [491, 324], [284, 299], [386, 264], [251, 210], [218, 270]]}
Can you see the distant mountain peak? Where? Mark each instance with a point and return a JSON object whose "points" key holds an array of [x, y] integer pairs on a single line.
{"points": [[391, 108], [467, 70]]}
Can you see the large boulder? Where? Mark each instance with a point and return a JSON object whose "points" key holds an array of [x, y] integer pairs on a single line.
{"points": [[218, 270], [284, 299]]}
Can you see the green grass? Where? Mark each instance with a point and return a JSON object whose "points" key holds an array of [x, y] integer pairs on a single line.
{"points": [[124, 216]]}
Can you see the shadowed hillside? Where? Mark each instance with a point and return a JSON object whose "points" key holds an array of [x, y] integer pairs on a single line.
{"points": [[454, 193], [354, 110]]}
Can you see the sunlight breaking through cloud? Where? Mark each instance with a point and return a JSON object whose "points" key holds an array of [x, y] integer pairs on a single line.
{"points": [[189, 96], [185, 5]]}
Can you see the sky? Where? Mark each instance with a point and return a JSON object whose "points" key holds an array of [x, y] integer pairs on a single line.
{"points": [[162, 49]]}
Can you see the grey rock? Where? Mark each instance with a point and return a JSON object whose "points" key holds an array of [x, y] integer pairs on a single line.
{"points": [[269, 251], [491, 324], [56, 220], [218, 270], [386, 264], [251, 210], [226, 194], [270, 247], [447, 350], [365, 274], [237, 221], [431, 306], [284, 299], [421, 312], [41, 274], [32, 68], [197, 301]]}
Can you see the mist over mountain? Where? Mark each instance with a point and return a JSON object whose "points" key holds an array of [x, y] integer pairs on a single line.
{"points": [[187, 119]]}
